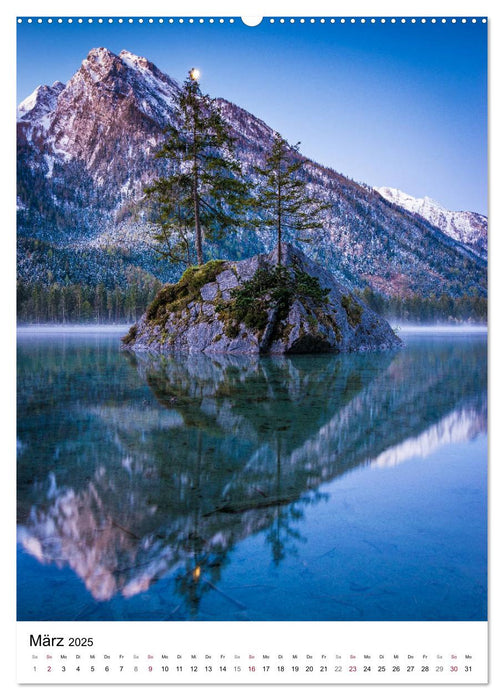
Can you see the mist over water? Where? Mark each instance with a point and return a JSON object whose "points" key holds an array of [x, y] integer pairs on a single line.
{"points": [[315, 487], [433, 329]]}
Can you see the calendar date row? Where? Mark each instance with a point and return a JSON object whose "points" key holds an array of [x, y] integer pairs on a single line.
{"points": [[207, 669]]}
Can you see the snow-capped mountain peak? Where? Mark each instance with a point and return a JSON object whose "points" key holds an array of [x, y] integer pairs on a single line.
{"points": [[101, 64], [467, 227], [86, 120]]}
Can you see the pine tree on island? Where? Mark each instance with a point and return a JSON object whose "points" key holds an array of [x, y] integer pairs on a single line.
{"points": [[281, 195], [203, 194]]}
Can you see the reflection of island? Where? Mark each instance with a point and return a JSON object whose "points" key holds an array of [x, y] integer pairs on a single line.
{"points": [[228, 447]]}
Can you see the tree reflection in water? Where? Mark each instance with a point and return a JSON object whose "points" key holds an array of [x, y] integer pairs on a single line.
{"points": [[127, 485]]}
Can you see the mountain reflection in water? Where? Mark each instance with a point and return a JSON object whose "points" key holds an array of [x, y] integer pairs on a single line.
{"points": [[132, 470]]}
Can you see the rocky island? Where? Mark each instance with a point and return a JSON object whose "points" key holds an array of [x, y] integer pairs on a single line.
{"points": [[256, 306]]}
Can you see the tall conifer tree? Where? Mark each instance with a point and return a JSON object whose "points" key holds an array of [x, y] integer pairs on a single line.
{"points": [[203, 194], [281, 196]]}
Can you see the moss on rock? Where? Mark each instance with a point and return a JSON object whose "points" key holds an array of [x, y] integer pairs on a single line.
{"points": [[174, 298]]}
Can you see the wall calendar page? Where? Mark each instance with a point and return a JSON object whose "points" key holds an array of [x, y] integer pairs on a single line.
{"points": [[251, 349]]}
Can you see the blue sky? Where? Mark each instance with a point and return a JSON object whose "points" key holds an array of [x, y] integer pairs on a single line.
{"points": [[401, 105]]}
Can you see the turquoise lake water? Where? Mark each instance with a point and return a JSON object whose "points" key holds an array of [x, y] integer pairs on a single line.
{"points": [[230, 488]]}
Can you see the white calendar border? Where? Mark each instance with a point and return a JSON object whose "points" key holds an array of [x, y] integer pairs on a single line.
{"points": [[248, 8]]}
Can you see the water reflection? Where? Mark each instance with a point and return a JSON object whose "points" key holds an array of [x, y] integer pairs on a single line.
{"points": [[135, 469]]}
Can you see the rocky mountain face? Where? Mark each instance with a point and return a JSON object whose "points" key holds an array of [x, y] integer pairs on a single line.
{"points": [[90, 145], [467, 227], [86, 150], [249, 308]]}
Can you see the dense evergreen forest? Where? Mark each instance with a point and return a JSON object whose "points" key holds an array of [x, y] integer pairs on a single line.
{"points": [[431, 309], [76, 303]]}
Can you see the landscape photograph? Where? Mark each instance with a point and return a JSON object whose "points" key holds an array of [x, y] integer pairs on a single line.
{"points": [[251, 319]]}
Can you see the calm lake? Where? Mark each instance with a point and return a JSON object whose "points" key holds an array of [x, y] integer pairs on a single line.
{"points": [[235, 488]]}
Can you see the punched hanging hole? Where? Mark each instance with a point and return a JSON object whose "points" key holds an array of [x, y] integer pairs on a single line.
{"points": [[252, 21]]}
